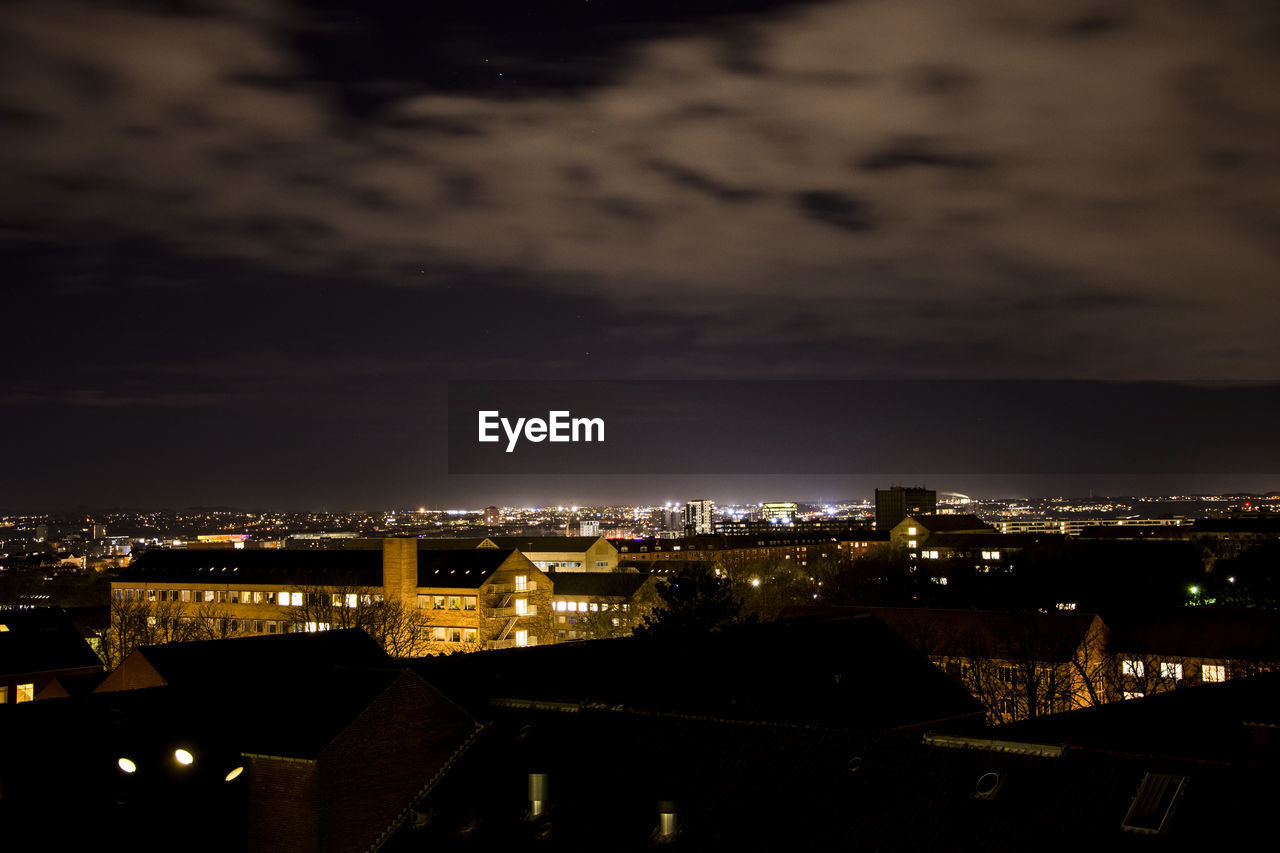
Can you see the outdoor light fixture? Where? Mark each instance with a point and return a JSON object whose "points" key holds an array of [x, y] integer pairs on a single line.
{"points": [[126, 765], [234, 774], [755, 581], [183, 757]]}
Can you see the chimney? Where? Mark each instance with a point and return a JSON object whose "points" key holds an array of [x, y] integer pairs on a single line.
{"points": [[666, 820], [400, 570], [537, 794]]}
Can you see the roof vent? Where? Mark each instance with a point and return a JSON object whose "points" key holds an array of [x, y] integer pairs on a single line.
{"points": [[1153, 804], [987, 786]]}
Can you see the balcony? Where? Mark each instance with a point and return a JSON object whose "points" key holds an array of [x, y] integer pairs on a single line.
{"points": [[505, 588], [509, 643], [510, 612]]}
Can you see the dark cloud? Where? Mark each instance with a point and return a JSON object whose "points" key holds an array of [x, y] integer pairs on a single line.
{"points": [[703, 183], [836, 208], [918, 151]]}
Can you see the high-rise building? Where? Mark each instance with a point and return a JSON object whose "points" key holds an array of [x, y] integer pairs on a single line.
{"points": [[492, 516], [589, 527], [895, 504], [699, 517]]}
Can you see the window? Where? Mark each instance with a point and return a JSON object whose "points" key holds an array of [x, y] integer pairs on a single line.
{"points": [[468, 602], [208, 595], [1133, 668], [1066, 605], [911, 531], [522, 638], [522, 583], [424, 601], [353, 599], [522, 606], [1133, 694], [437, 602], [1171, 670], [600, 563], [468, 635], [313, 627], [25, 692], [455, 602], [1213, 673], [235, 596], [271, 626], [929, 555], [911, 543], [455, 635], [594, 607], [559, 605], [1152, 805], [437, 634], [151, 595], [184, 595]]}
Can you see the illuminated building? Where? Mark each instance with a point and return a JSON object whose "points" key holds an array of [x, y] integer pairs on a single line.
{"points": [[699, 517], [460, 599]]}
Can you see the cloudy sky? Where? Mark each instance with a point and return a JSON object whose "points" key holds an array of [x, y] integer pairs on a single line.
{"points": [[246, 242]]}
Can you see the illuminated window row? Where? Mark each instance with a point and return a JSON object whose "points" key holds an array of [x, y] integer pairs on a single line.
{"points": [[427, 601], [236, 596], [584, 606], [454, 635]]}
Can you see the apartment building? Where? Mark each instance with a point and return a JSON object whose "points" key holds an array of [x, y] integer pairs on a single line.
{"points": [[414, 601]]}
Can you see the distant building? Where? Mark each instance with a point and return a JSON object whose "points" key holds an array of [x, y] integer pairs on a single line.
{"points": [[589, 527], [779, 512], [492, 516], [699, 517], [895, 504], [549, 553]]}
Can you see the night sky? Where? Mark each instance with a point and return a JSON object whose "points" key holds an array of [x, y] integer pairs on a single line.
{"points": [[246, 243]]}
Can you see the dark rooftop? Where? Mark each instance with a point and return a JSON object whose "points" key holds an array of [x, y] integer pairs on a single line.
{"points": [[42, 640], [295, 566], [607, 584]]}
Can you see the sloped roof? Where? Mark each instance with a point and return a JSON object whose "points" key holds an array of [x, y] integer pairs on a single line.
{"points": [[42, 639], [947, 523], [1201, 632], [295, 566], [607, 584], [850, 671], [466, 568], [994, 634]]}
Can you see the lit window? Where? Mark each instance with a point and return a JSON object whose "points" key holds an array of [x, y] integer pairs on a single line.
{"points": [[424, 601], [259, 596], [1132, 694], [911, 531], [1171, 670], [522, 606], [353, 599], [468, 602], [455, 602], [594, 607], [468, 635], [4, 694], [1213, 672], [455, 635], [25, 692], [522, 583], [911, 543], [313, 627], [522, 638], [1066, 605], [184, 595], [1133, 668], [437, 602], [438, 635]]}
